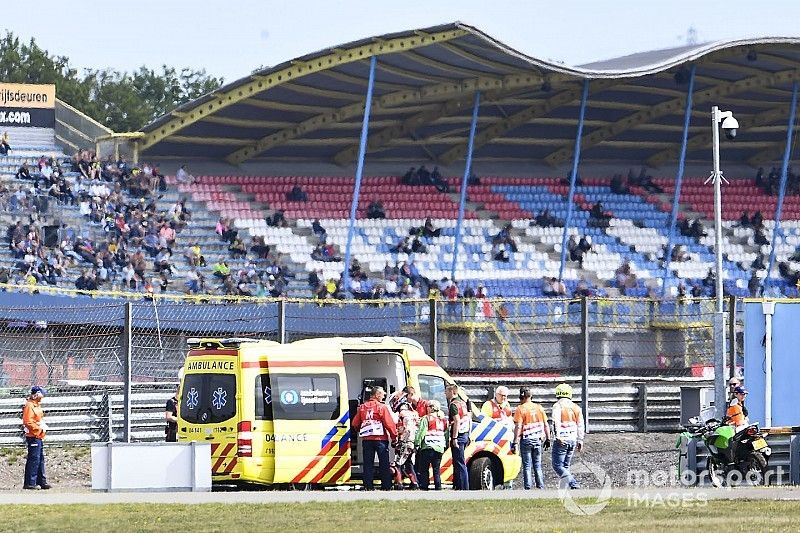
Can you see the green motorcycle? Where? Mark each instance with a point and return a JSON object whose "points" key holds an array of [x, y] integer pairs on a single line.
{"points": [[734, 457]]}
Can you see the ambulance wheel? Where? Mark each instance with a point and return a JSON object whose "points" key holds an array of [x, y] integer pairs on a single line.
{"points": [[481, 474]]}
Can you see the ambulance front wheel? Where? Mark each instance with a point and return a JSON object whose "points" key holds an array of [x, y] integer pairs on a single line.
{"points": [[482, 474]]}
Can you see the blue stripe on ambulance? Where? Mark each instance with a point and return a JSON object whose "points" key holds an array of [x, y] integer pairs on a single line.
{"points": [[332, 433], [486, 431]]}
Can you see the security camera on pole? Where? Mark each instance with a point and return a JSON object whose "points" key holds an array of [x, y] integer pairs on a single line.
{"points": [[730, 126]]}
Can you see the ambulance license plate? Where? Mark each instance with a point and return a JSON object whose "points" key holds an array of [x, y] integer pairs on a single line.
{"points": [[759, 443]]}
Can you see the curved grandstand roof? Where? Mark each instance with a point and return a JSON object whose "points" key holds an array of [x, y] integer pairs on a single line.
{"points": [[310, 108]]}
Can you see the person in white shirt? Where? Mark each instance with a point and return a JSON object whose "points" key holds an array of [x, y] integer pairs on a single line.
{"points": [[183, 175]]}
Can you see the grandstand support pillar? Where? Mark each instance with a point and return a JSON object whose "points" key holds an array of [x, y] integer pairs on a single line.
{"points": [[464, 182], [776, 229], [127, 333], [687, 118], [362, 150], [282, 321], [433, 324], [585, 362], [573, 177]]}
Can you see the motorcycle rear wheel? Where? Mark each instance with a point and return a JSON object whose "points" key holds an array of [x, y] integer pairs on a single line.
{"points": [[756, 469]]}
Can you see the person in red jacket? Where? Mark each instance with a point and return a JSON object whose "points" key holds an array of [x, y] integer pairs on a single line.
{"points": [[35, 430], [376, 428]]}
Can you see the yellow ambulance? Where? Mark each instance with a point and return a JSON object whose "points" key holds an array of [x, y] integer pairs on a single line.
{"points": [[279, 414]]}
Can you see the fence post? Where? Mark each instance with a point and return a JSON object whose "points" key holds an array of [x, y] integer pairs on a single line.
{"points": [[434, 327], [282, 321], [585, 363], [126, 374], [642, 392], [105, 409], [731, 337]]}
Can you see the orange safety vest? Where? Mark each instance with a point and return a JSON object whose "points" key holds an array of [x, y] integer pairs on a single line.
{"points": [[533, 419], [735, 414], [499, 413], [464, 417], [434, 436], [567, 427], [32, 415]]}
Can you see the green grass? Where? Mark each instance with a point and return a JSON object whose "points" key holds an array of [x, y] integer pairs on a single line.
{"points": [[12, 454], [425, 516]]}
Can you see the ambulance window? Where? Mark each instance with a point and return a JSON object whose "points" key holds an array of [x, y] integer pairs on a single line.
{"points": [[222, 396], [208, 398], [432, 388], [263, 395], [305, 397], [190, 397]]}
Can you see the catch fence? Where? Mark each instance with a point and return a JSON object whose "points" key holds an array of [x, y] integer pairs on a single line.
{"points": [[91, 347]]}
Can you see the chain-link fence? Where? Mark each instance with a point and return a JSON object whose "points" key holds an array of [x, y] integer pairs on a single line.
{"points": [[86, 347]]}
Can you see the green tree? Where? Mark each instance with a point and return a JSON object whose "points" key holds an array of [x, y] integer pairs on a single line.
{"points": [[120, 100]]}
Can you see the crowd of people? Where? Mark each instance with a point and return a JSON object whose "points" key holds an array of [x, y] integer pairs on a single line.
{"points": [[420, 431]]}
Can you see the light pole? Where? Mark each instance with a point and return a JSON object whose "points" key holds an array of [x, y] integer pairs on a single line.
{"points": [[730, 125]]}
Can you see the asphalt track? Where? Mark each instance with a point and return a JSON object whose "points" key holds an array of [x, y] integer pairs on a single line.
{"points": [[57, 497]]}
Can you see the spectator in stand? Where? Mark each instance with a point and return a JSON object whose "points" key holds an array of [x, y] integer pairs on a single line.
{"points": [[504, 237], [259, 247], [221, 270], [410, 177], [545, 220], [4, 146], [585, 244], [418, 247], [23, 173], [574, 249], [429, 230], [754, 285], [598, 218], [759, 238], [314, 280], [423, 176], [646, 181], [451, 294], [439, 182], [582, 290], [626, 279], [225, 229], [183, 176], [297, 195], [744, 220], [757, 221], [499, 253], [402, 246], [237, 249], [679, 254], [696, 230], [617, 187], [319, 231], [277, 220], [375, 210], [790, 276], [760, 177], [194, 255]]}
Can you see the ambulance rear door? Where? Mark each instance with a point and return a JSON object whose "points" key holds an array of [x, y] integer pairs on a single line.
{"points": [[310, 414], [209, 409]]}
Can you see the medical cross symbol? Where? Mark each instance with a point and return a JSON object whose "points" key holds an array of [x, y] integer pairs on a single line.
{"points": [[219, 398], [192, 399]]}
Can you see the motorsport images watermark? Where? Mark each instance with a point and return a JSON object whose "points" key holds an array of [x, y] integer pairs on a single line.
{"points": [[679, 497]]}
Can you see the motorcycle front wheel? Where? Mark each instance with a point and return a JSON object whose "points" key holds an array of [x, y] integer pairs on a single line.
{"points": [[716, 472]]}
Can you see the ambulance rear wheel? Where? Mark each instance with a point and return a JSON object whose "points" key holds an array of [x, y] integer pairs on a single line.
{"points": [[481, 474]]}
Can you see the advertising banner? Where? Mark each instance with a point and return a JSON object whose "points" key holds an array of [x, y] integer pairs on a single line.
{"points": [[25, 105]]}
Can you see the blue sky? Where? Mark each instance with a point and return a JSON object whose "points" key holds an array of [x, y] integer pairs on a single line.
{"points": [[234, 37]]}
